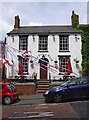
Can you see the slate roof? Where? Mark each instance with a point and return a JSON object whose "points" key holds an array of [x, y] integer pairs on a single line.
{"points": [[26, 30]]}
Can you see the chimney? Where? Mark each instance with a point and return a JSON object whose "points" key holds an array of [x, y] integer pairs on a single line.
{"points": [[74, 19], [17, 22]]}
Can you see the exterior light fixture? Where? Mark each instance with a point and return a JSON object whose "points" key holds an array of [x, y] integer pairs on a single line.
{"points": [[13, 38], [76, 38], [33, 38], [76, 61], [54, 38]]}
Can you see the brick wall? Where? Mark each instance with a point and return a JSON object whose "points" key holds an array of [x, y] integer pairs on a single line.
{"points": [[25, 88]]}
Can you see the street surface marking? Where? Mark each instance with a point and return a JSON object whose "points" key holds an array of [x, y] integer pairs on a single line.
{"points": [[31, 114]]}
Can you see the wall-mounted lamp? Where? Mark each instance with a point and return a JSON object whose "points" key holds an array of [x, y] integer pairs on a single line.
{"points": [[76, 38], [76, 60], [54, 38], [13, 38], [33, 38]]}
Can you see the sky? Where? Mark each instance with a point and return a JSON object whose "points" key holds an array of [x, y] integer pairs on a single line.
{"points": [[40, 13]]}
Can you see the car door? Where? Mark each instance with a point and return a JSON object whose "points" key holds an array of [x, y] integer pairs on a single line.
{"points": [[72, 90], [83, 87]]}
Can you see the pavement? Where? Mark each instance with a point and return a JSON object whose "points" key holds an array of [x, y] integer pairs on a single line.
{"points": [[31, 96]]}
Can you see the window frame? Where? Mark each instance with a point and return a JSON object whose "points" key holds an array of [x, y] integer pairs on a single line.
{"points": [[43, 45], [25, 65], [24, 43], [61, 66], [63, 43]]}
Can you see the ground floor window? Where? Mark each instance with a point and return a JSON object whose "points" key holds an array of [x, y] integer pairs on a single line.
{"points": [[23, 66], [65, 64]]}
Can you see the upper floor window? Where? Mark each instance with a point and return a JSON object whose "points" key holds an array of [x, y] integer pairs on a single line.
{"points": [[23, 43], [43, 43], [64, 43]]}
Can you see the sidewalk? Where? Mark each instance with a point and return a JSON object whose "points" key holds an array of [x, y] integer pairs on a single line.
{"points": [[32, 96]]}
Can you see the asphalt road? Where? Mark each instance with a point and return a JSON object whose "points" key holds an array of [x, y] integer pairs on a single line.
{"points": [[81, 107], [35, 103]]}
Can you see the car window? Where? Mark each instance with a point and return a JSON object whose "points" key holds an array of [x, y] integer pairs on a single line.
{"points": [[65, 83], [83, 81], [71, 83], [12, 87]]}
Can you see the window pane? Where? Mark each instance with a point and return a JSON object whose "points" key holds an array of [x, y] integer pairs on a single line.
{"points": [[23, 43], [63, 43], [63, 63], [43, 43]]}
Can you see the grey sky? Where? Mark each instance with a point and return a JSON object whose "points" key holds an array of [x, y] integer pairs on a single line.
{"points": [[40, 13]]}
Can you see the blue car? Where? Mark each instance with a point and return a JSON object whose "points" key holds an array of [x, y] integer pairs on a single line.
{"points": [[75, 88]]}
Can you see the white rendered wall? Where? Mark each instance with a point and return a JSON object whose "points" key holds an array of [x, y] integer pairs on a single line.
{"points": [[75, 52], [12, 55], [52, 54]]}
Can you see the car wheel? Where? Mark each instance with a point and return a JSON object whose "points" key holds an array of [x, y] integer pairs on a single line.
{"points": [[7, 100], [57, 98]]}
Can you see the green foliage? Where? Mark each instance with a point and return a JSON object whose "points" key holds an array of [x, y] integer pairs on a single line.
{"points": [[85, 48], [75, 21]]}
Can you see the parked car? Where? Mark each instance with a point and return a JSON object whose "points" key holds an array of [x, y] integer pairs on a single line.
{"points": [[72, 89], [8, 93]]}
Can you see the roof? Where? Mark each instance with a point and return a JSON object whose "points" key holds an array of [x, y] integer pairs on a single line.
{"points": [[26, 30]]}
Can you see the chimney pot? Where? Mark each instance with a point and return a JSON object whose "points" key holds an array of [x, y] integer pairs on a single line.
{"points": [[74, 19], [17, 22], [72, 12]]}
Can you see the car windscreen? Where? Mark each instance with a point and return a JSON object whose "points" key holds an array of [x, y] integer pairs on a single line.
{"points": [[65, 83], [12, 87]]}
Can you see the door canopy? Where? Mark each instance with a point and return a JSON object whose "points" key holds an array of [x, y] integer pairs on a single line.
{"points": [[43, 60]]}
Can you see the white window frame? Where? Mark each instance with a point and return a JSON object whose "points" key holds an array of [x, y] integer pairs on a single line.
{"points": [[43, 43], [63, 63], [23, 43], [64, 43], [25, 66]]}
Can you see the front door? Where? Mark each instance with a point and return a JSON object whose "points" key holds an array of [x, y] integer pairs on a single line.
{"points": [[43, 71], [43, 68]]}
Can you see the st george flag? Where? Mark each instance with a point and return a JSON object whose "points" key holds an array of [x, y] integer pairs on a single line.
{"points": [[69, 67], [6, 62]]}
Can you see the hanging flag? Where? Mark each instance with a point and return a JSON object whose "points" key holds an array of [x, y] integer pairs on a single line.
{"points": [[69, 67], [6, 62]]}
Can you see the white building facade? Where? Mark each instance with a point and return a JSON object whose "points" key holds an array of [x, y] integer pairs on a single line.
{"points": [[43, 51]]}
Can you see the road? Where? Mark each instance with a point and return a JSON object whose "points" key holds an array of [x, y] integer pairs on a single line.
{"points": [[37, 106], [81, 107]]}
